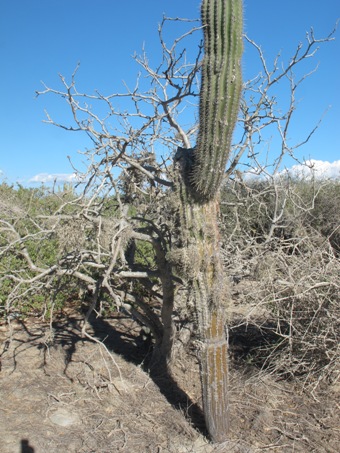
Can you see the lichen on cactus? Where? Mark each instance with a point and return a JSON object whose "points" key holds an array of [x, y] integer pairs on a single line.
{"points": [[221, 86]]}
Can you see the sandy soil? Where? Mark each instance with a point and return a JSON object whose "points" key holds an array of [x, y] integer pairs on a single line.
{"points": [[60, 392]]}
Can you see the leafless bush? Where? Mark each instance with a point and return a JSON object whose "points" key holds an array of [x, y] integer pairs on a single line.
{"points": [[286, 288]]}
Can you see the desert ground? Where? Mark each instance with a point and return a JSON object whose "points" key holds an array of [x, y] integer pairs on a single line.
{"points": [[61, 392]]}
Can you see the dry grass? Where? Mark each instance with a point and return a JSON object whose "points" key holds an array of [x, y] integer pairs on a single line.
{"points": [[286, 308]]}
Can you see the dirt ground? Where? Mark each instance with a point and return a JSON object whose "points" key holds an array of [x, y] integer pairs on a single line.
{"points": [[60, 392]]}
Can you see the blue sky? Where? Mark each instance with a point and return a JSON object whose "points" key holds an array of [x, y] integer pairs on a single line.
{"points": [[41, 38]]}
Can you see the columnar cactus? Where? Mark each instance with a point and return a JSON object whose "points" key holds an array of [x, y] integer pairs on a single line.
{"points": [[202, 170], [220, 92]]}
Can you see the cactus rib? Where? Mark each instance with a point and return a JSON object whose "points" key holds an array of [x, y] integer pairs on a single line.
{"points": [[220, 92]]}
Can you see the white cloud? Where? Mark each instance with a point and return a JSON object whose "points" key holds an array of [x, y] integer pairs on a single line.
{"points": [[313, 168], [55, 178], [320, 169]]}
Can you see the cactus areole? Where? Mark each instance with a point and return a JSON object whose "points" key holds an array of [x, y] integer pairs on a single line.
{"points": [[201, 171]]}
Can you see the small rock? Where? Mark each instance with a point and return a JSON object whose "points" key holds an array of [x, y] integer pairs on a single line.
{"points": [[63, 417]]}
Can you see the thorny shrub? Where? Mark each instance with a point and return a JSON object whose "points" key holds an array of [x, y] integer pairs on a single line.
{"points": [[286, 284]]}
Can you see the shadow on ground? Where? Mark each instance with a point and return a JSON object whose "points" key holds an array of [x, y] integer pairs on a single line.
{"points": [[252, 344], [26, 447], [120, 336], [134, 349]]}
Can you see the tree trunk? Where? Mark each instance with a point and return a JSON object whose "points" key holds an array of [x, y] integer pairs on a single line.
{"points": [[163, 351]]}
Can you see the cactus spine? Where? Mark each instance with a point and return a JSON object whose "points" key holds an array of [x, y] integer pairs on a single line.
{"points": [[201, 174]]}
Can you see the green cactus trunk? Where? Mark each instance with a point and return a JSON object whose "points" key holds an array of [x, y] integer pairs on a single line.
{"points": [[201, 173], [220, 92]]}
